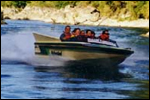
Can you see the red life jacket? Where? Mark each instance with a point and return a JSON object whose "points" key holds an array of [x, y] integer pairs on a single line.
{"points": [[67, 36], [104, 37]]}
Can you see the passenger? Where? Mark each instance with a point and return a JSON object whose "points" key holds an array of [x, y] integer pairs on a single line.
{"points": [[93, 35], [82, 33], [104, 36], [82, 37], [66, 34], [78, 35], [88, 33], [75, 34]]}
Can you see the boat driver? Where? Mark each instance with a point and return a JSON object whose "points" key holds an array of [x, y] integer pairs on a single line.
{"points": [[66, 34]]}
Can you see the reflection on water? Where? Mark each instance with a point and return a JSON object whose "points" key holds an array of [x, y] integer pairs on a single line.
{"points": [[85, 72], [69, 82], [99, 75], [142, 92]]}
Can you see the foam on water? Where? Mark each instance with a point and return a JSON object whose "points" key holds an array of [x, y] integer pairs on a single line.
{"points": [[20, 48], [17, 42], [16, 47]]}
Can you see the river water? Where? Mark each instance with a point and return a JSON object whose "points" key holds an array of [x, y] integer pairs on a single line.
{"points": [[22, 79]]}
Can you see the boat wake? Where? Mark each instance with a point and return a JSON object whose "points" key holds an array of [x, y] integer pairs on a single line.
{"points": [[19, 48]]}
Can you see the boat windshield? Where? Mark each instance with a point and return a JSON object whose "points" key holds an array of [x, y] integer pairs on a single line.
{"points": [[99, 41]]}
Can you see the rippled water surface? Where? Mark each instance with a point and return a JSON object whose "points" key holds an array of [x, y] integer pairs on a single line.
{"points": [[23, 75]]}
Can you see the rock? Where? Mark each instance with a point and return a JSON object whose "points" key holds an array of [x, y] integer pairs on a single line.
{"points": [[58, 17], [145, 35], [70, 15], [10, 12], [86, 14], [94, 17], [2, 9], [2, 16], [70, 19], [2, 22]]}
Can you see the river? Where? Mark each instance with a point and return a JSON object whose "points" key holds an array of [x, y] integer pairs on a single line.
{"points": [[22, 79]]}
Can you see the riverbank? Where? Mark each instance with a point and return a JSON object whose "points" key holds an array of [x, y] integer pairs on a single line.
{"points": [[73, 16], [2, 22], [2, 18]]}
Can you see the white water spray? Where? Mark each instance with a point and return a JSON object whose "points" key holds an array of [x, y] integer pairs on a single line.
{"points": [[20, 48]]}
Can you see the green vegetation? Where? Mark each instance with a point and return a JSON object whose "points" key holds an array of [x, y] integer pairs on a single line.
{"points": [[114, 9], [17, 4]]}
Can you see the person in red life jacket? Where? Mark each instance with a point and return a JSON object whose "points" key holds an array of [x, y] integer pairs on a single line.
{"points": [[66, 34], [104, 36]]}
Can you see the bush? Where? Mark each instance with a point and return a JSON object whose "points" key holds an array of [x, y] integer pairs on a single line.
{"points": [[17, 4]]}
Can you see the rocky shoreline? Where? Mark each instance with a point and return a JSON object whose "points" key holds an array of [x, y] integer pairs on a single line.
{"points": [[2, 19], [70, 15], [2, 22]]}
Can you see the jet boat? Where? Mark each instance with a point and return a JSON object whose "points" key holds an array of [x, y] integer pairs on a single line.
{"points": [[102, 53]]}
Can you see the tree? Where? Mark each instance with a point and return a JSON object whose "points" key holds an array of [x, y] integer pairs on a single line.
{"points": [[19, 4]]}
